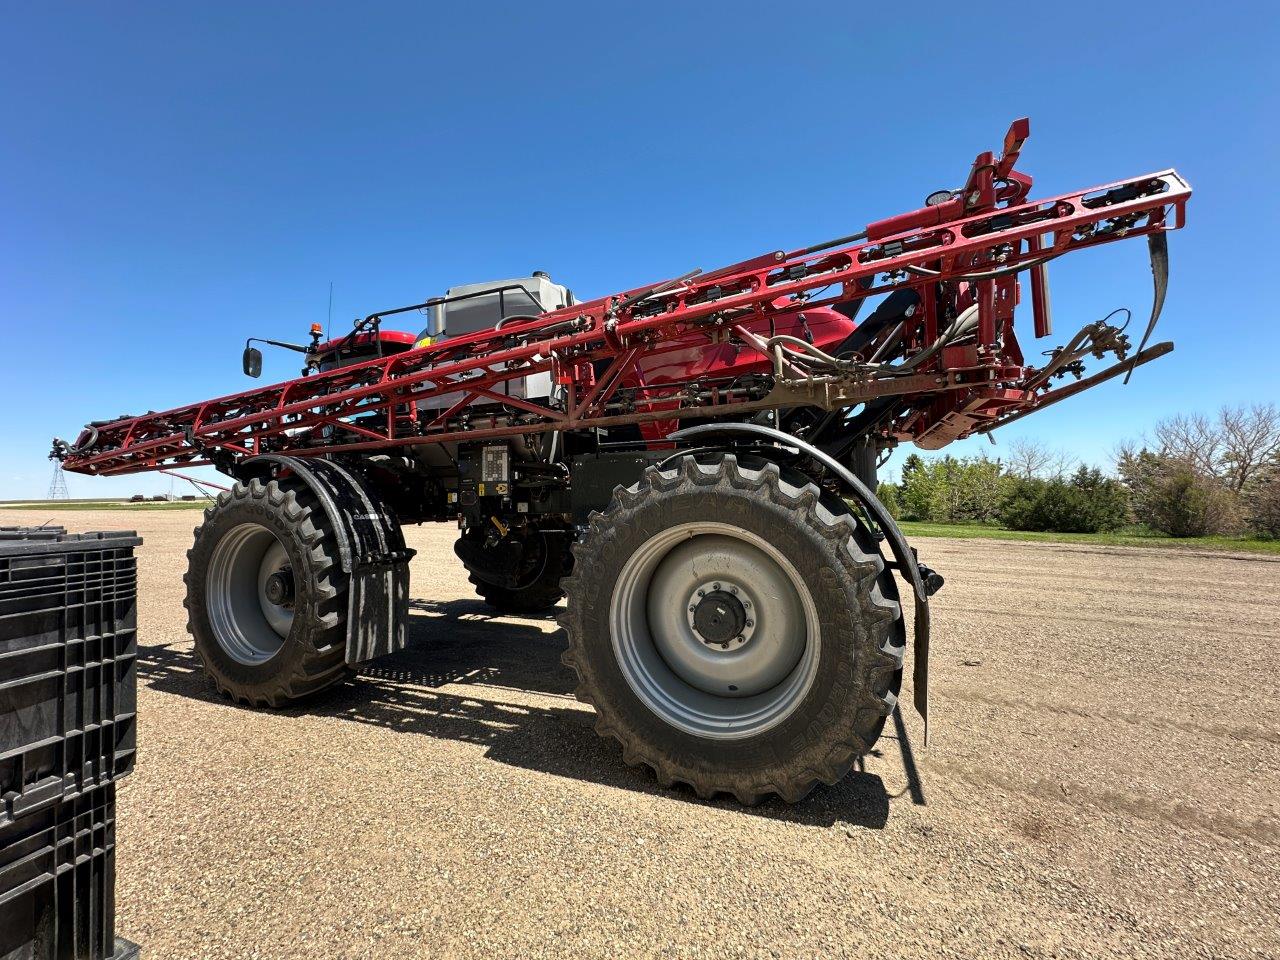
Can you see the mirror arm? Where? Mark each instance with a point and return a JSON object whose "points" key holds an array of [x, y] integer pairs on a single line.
{"points": [[300, 348]]}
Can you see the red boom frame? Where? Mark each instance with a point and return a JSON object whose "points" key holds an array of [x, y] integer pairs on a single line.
{"points": [[970, 245]]}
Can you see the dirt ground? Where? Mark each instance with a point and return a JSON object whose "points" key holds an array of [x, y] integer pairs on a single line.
{"points": [[1101, 781]]}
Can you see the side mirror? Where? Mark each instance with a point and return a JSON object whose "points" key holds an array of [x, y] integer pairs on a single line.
{"points": [[252, 362]]}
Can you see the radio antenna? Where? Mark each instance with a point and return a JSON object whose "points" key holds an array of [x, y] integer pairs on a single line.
{"points": [[329, 321]]}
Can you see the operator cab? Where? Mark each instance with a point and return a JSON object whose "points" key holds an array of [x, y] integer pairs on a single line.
{"points": [[479, 306], [482, 306], [343, 352], [462, 310]]}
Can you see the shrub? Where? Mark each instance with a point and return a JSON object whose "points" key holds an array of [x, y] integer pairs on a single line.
{"points": [[1020, 508], [1087, 503], [951, 490], [1185, 503], [1264, 508], [1173, 496], [1101, 502]]}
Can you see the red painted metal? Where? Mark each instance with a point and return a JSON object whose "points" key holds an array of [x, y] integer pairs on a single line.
{"points": [[393, 341], [694, 349]]}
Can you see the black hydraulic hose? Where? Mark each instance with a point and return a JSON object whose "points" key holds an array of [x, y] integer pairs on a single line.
{"points": [[800, 351], [838, 242], [78, 446], [961, 324], [890, 342], [659, 288], [514, 318], [564, 326], [983, 275]]}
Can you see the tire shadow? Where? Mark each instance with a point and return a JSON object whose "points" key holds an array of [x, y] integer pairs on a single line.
{"points": [[460, 643]]}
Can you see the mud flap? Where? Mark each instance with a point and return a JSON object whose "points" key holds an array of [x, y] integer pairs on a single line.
{"points": [[378, 609], [370, 545]]}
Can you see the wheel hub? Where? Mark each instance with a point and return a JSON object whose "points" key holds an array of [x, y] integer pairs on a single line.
{"points": [[719, 615], [279, 588]]}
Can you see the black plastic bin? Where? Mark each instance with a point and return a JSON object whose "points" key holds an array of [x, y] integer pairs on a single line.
{"points": [[68, 666], [57, 882], [68, 702], [45, 531]]}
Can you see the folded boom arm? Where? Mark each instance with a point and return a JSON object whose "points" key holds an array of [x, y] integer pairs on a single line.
{"points": [[953, 367]]}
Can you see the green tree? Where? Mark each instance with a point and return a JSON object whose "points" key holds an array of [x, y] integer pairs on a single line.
{"points": [[951, 489], [888, 495], [1177, 495], [1089, 502], [913, 492]]}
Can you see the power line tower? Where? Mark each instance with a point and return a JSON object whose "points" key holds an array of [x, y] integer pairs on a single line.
{"points": [[58, 485]]}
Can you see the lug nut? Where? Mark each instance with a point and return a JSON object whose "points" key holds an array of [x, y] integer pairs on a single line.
{"points": [[715, 586], [751, 623]]}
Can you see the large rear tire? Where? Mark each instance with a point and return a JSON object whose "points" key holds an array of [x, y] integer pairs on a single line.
{"points": [[266, 598], [730, 628]]}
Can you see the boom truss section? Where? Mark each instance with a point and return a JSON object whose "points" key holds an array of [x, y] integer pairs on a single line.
{"points": [[962, 255]]}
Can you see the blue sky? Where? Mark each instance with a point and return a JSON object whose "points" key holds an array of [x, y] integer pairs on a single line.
{"points": [[175, 178]]}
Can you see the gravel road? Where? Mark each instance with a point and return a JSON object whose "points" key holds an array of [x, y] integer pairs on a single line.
{"points": [[1101, 781]]}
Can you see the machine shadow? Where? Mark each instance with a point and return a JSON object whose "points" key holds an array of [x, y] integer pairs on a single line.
{"points": [[460, 643]]}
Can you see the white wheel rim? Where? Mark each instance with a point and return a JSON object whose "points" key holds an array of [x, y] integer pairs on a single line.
{"points": [[248, 626], [731, 683]]}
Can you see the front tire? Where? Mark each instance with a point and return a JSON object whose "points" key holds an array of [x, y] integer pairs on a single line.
{"points": [[729, 627], [266, 597]]}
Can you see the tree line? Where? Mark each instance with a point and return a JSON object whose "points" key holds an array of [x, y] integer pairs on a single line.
{"points": [[1193, 475]]}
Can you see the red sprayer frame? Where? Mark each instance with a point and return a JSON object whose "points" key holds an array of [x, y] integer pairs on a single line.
{"points": [[964, 251]]}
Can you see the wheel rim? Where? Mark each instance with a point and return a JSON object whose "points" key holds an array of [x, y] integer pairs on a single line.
{"points": [[715, 630], [247, 621]]}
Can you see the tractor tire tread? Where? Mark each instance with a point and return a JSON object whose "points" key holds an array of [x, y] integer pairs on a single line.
{"points": [[320, 657], [880, 660]]}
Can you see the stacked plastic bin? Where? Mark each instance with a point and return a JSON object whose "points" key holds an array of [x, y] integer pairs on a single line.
{"points": [[68, 733]]}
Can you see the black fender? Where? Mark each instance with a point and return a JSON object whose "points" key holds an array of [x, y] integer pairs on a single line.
{"points": [[370, 547], [923, 581]]}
